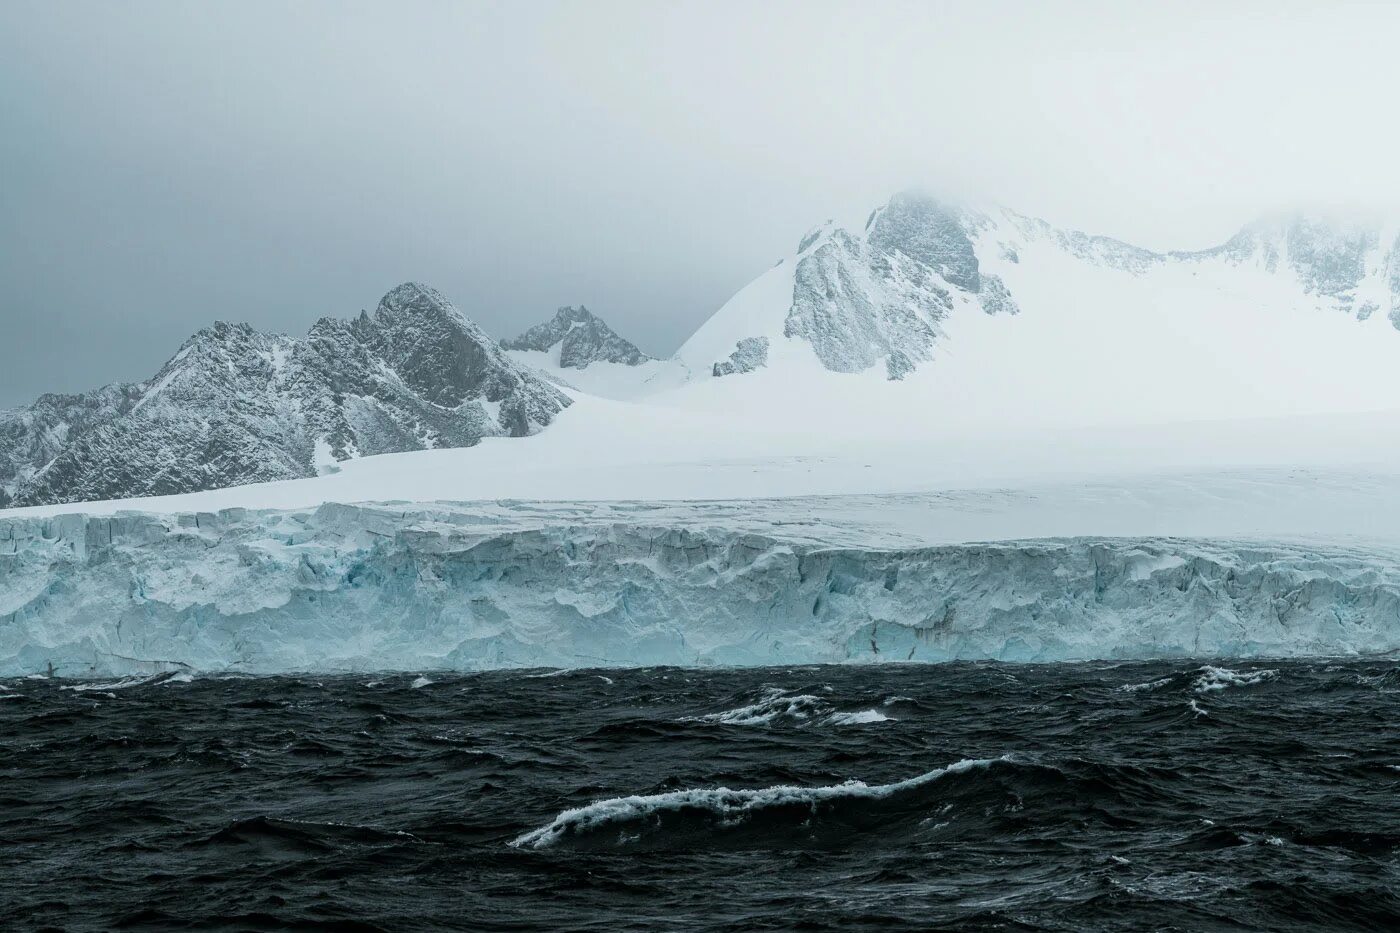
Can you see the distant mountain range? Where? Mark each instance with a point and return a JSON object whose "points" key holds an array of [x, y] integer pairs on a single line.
{"points": [[931, 313], [235, 405]]}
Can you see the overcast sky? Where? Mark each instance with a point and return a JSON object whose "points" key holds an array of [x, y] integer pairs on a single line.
{"points": [[164, 165]]}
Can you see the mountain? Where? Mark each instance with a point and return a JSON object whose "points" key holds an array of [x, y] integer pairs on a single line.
{"points": [[884, 296], [937, 316], [582, 339], [889, 344], [577, 350], [32, 437], [236, 406]]}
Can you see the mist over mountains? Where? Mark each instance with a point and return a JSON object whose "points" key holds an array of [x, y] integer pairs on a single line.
{"points": [[945, 304]]}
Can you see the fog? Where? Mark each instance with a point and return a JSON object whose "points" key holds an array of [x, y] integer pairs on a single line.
{"points": [[164, 165]]}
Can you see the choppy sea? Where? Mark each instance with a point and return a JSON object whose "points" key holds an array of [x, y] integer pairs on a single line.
{"points": [[1135, 796]]}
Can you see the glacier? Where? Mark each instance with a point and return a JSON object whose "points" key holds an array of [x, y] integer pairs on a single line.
{"points": [[473, 586]]}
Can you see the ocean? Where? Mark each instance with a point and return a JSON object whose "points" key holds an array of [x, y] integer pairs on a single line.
{"points": [[1170, 795]]}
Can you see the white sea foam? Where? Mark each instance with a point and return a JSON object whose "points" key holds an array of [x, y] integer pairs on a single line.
{"points": [[773, 706], [861, 718], [1150, 685], [777, 706], [125, 683], [1219, 678], [731, 806], [419, 682]]}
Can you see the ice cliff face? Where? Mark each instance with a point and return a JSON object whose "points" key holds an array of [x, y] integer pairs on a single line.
{"points": [[582, 338], [238, 406], [372, 588]]}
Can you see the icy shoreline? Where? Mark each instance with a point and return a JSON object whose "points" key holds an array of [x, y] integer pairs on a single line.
{"points": [[513, 585]]}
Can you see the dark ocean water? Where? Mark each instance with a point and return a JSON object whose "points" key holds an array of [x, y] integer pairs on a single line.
{"points": [[1161, 796]]}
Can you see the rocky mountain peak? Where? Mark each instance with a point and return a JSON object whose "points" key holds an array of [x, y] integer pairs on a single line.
{"points": [[582, 337], [930, 232], [236, 405], [859, 300]]}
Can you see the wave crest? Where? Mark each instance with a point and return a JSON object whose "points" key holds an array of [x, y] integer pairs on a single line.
{"points": [[775, 707], [720, 807], [1214, 679]]}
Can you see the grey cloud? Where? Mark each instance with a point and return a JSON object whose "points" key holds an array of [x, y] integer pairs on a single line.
{"points": [[163, 165]]}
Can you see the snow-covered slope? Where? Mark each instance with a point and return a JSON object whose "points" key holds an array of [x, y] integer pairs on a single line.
{"points": [[238, 406], [934, 343], [938, 316]]}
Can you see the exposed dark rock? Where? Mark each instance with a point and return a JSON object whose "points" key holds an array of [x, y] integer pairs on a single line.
{"points": [[236, 406], [582, 337], [749, 354]]}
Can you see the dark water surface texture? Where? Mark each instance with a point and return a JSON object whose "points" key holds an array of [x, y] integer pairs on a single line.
{"points": [[1067, 797]]}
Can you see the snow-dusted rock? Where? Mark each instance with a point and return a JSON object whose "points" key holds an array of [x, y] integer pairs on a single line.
{"points": [[33, 436], [582, 338], [882, 298], [888, 298], [749, 354], [238, 406], [1354, 267]]}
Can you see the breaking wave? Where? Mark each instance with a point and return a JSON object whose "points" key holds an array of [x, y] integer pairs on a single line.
{"points": [[126, 683], [776, 707], [1214, 679], [1145, 687], [858, 718], [624, 820]]}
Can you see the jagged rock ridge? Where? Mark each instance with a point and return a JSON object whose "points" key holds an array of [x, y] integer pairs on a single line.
{"points": [[582, 338], [235, 406]]}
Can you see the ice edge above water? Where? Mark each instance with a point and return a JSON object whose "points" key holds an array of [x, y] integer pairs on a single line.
{"points": [[344, 588]]}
